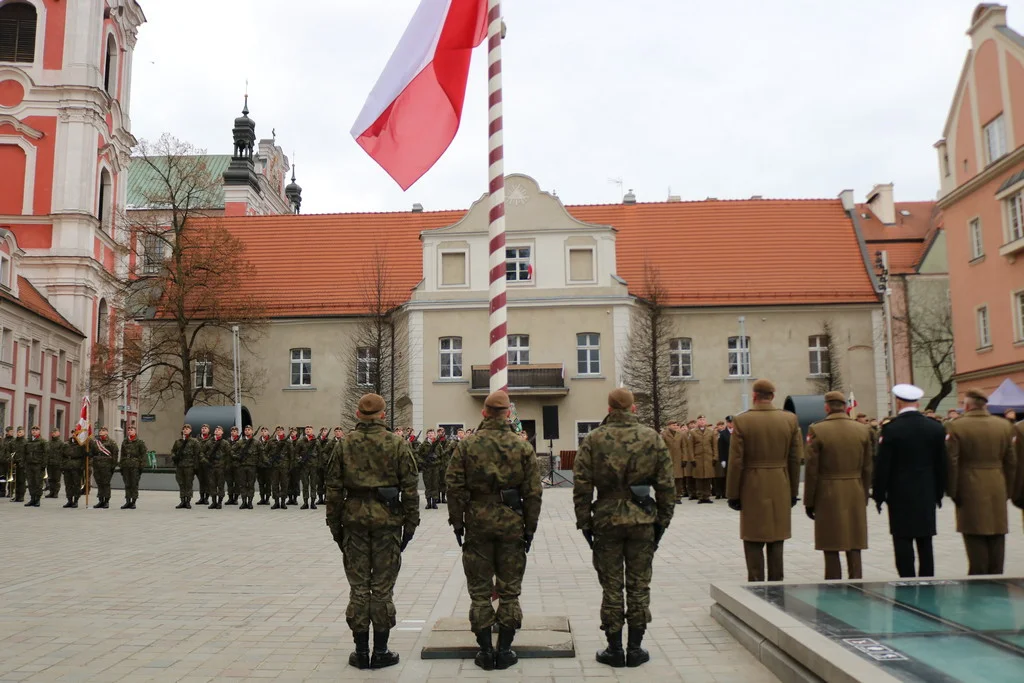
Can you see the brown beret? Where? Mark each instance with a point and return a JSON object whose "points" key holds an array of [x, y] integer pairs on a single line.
{"points": [[497, 399], [764, 386], [976, 395], [835, 396], [371, 404], [620, 399]]}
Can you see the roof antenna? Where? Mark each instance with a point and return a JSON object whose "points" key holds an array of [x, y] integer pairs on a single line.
{"points": [[618, 181]]}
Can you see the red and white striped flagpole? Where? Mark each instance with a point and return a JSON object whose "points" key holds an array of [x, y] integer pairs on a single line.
{"points": [[496, 176]]}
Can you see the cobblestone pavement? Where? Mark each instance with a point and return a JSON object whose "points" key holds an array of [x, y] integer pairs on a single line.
{"points": [[175, 595]]}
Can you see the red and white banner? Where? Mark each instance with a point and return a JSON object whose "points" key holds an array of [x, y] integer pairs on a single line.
{"points": [[414, 110], [851, 404], [83, 430]]}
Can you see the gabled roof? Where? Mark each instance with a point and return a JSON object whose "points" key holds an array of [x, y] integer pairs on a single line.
{"points": [[143, 181], [32, 300], [907, 240]]}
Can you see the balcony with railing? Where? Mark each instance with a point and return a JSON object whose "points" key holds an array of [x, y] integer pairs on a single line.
{"points": [[545, 379]]}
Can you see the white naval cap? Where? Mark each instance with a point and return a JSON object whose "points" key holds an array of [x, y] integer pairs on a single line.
{"points": [[907, 392]]}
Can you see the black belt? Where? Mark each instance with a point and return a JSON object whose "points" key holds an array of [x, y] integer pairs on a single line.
{"points": [[614, 495]]}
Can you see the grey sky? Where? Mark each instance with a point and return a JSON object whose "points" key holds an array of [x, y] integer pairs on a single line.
{"points": [[791, 98]]}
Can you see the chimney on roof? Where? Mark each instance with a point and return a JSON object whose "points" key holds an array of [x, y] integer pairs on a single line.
{"points": [[756, 196], [881, 203], [674, 198], [629, 197], [417, 208], [846, 197]]}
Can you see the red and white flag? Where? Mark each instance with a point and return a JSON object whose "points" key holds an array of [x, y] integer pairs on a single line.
{"points": [[83, 430], [851, 403], [414, 111]]}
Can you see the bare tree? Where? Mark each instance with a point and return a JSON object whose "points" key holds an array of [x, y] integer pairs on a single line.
{"points": [[647, 365], [180, 288], [830, 374], [928, 328]]}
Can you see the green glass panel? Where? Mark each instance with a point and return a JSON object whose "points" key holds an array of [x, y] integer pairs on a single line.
{"points": [[867, 614], [965, 658], [981, 605]]}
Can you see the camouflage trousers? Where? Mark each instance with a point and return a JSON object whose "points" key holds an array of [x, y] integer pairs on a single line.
{"points": [[131, 475], [623, 557], [263, 476], [321, 488], [309, 479], [245, 479], [53, 478], [432, 481], [35, 480], [279, 482], [215, 480], [372, 560], [494, 564], [184, 474], [73, 483], [203, 474], [231, 480], [102, 472]]}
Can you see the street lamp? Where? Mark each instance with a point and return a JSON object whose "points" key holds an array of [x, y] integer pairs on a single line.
{"points": [[882, 270]]}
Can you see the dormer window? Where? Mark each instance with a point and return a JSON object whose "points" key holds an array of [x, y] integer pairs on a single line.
{"points": [[17, 32], [5, 271]]}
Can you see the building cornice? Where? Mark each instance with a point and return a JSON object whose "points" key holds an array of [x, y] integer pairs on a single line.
{"points": [[991, 172], [989, 372]]}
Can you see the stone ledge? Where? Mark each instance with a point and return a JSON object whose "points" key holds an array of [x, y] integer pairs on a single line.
{"points": [[540, 637]]}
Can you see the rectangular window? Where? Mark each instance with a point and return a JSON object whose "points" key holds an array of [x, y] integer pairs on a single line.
{"points": [[680, 358], [62, 365], [739, 356], [3, 413], [450, 428], [518, 267], [58, 419], [984, 338], [5, 271], [1015, 209], [366, 366], [817, 348], [581, 265], [32, 412], [204, 374], [995, 139], [977, 244], [588, 354], [302, 367], [1018, 312], [35, 359], [6, 345], [152, 254], [584, 428], [453, 268], [451, 357], [518, 349]]}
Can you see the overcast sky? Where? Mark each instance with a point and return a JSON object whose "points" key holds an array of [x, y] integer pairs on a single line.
{"points": [[791, 98]]}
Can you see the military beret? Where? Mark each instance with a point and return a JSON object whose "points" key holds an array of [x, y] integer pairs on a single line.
{"points": [[497, 399], [371, 404], [98, 429], [35, 427], [234, 428], [278, 428], [836, 396], [620, 399], [976, 395], [341, 429], [20, 428], [764, 386], [206, 426]]}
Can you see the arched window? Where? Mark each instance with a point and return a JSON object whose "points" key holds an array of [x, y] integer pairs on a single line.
{"points": [[106, 198], [110, 67], [17, 32], [102, 323]]}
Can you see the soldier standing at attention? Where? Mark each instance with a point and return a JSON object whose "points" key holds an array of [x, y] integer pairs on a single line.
{"points": [[202, 469], [322, 455], [72, 467], [18, 458], [763, 479], [217, 453], [430, 465], [54, 458], [306, 449], [910, 476], [495, 495], [230, 479], [102, 460], [704, 440], [623, 460], [5, 459], [133, 453], [673, 437], [246, 455], [373, 512], [279, 458], [836, 484], [446, 447], [34, 457], [293, 467], [982, 470], [185, 455], [691, 483]]}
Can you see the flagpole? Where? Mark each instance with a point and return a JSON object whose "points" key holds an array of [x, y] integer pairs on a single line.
{"points": [[496, 190]]}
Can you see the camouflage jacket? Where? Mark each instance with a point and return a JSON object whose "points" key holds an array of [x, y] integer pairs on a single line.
{"points": [[619, 454], [18, 450], [96, 454], [245, 452], [185, 452], [56, 450], [216, 453], [429, 454], [371, 457], [279, 453], [230, 462], [306, 451], [204, 445], [34, 452], [484, 464], [74, 456], [133, 453]]}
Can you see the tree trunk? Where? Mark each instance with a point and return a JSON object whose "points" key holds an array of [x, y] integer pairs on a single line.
{"points": [[944, 391]]}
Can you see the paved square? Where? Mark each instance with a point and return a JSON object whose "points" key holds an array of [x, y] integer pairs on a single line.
{"points": [[176, 595]]}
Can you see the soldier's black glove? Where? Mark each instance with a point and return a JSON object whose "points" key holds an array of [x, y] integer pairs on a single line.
{"points": [[735, 504], [659, 531], [528, 539], [589, 535], [406, 537], [793, 501], [810, 512], [458, 535]]}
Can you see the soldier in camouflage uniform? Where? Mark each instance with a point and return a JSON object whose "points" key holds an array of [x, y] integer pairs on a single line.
{"points": [[215, 456], [185, 456], [306, 450], [102, 465], [246, 456], [72, 467], [230, 476], [494, 499], [323, 455], [447, 449], [133, 454], [279, 459], [202, 470], [429, 457], [54, 456], [373, 512], [34, 459], [623, 460], [18, 460], [5, 459]]}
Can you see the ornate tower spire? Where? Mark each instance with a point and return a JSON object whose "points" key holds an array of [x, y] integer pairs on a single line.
{"points": [[293, 192], [241, 171]]}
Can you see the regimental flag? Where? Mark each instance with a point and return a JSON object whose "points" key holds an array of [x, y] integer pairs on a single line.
{"points": [[414, 110], [83, 430], [851, 404]]}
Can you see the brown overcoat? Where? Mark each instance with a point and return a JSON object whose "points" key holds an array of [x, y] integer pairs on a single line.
{"points": [[705, 452], [764, 471], [837, 480], [674, 440], [1018, 487], [982, 470]]}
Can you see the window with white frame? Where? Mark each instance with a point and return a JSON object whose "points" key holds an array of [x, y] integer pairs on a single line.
{"points": [[366, 365], [817, 349], [995, 139], [680, 358], [6, 345], [152, 254], [35, 359], [739, 356], [3, 413], [33, 413], [302, 367], [204, 374], [5, 271], [1015, 216], [518, 349], [588, 353], [58, 420], [977, 244], [518, 265], [1018, 313], [451, 357], [17, 32], [62, 365], [584, 428], [453, 268], [984, 337]]}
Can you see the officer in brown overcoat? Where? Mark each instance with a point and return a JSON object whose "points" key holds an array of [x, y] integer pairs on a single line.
{"points": [[982, 471], [688, 481], [836, 485], [704, 442], [674, 438], [763, 479], [1018, 448]]}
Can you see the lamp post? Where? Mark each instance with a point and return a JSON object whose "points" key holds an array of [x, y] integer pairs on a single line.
{"points": [[882, 269], [235, 349]]}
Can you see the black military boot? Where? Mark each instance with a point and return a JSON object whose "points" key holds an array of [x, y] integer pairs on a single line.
{"points": [[305, 505], [70, 503], [360, 659], [127, 504], [264, 500], [188, 502], [131, 503], [98, 505], [213, 504], [284, 502], [312, 504], [444, 497], [31, 501], [181, 505], [276, 505], [613, 655], [74, 503], [505, 656], [382, 657], [485, 657], [636, 655]]}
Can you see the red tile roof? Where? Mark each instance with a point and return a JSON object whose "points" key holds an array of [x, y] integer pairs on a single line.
{"points": [[31, 299], [907, 240]]}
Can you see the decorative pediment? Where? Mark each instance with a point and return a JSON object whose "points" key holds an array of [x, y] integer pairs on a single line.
{"points": [[20, 127]]}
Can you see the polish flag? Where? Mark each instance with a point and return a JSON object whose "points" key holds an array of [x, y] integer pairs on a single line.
{"points": [[851, 404], [83, 430], [412, 114]]}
